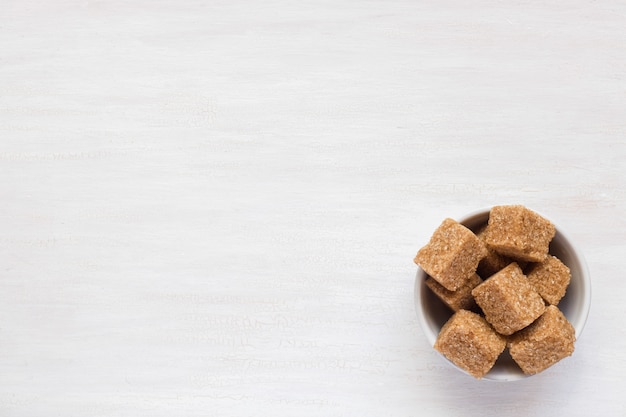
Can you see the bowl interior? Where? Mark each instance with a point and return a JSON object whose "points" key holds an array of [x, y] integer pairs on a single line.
{"points": [[433, 313]]}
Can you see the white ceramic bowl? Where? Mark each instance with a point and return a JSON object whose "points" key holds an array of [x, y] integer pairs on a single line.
{"points": [[432, 313]]}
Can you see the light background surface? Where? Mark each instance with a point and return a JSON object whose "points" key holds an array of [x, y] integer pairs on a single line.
{"points": [[210, 208]]}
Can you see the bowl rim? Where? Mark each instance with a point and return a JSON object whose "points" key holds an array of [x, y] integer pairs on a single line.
{"points": [[581, 318]]}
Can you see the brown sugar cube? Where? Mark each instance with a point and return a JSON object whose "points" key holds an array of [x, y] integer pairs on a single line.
{"points": [[519, 233], [508, 300], [452, 254], [545, 342], [460, 299], [493, 262], [469, 342], [550, 279]]}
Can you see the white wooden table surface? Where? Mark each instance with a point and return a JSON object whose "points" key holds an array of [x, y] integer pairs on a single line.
{"points": [[210, 208]]}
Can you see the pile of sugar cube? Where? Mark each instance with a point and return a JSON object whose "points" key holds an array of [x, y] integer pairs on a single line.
{"points": [[503, 287]]}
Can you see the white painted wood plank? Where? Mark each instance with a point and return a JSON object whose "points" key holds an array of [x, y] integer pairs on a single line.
{"points": [[211, 208]]}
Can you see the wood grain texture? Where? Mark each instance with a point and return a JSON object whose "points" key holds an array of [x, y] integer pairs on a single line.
{"points": [[211, 208]]}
